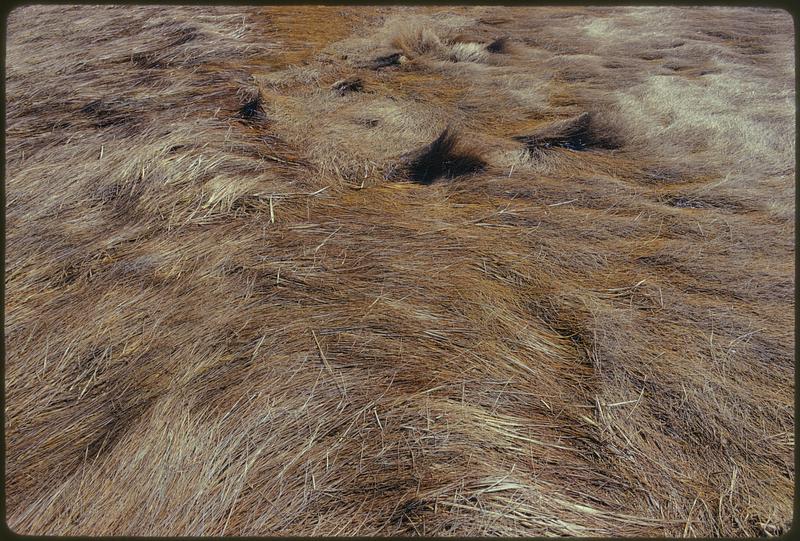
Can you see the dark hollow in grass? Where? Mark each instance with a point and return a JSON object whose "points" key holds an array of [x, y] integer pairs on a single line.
{"points": [[351, 84], [387, 60], [577, 133], [252, 110], [498, 46], [442, 159]]}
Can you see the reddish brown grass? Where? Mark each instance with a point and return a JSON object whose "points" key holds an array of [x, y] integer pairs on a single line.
{"points": [[230, 310]]}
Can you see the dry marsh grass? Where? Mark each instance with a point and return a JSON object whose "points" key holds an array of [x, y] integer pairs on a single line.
{"points": [[399, 271]]}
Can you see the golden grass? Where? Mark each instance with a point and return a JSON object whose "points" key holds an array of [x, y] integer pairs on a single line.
{"points": [[230, 310]]}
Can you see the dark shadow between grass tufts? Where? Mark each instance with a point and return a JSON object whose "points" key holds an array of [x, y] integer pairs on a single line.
{"points": [[351, 84], [443, 158], [499, 46], [577, 133], [252, 110], [393, 59]]}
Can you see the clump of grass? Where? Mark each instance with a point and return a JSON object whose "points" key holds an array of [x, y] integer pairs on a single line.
{"points": [[467, 52], [417, 40]]}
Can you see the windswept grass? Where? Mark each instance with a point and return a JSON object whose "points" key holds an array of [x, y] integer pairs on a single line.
{"points": [[399, 271]]}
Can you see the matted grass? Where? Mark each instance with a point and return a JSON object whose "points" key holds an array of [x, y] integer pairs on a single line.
{"points": [[399, 271]]}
